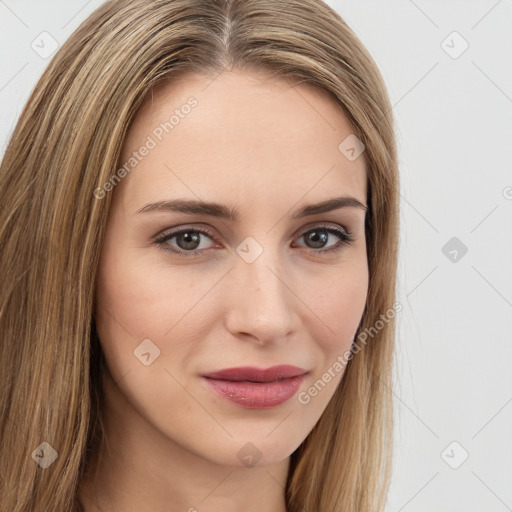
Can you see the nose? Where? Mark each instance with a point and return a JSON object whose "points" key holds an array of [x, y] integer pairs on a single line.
{"points": [[261, 305]]}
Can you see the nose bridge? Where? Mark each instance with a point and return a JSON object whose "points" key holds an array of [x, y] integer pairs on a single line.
{"points": [[262, 303]]}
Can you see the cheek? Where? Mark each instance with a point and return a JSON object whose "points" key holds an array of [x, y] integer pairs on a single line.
{"points": [[339, 306], [139, 295], [335, 316], [137, 299], [125, 301]]}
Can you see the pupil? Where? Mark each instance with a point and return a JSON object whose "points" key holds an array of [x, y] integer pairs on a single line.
{"points": [[318, 235], [190, 239]]}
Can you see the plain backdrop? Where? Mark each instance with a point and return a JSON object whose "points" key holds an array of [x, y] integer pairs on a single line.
{"points": [[448, 72]]}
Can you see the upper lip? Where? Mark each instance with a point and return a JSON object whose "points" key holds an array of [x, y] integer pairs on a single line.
{"points": [[252, 374]]}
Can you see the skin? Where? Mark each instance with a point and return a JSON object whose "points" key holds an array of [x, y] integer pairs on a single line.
{"points": [[266, 146]]}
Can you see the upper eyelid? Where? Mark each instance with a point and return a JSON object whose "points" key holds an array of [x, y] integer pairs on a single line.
{"points": [[210, 231]]}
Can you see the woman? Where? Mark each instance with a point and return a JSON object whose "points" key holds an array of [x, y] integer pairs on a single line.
{"points": [[251, 369]]}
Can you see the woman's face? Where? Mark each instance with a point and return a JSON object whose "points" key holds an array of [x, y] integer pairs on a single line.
{"points": [[184, 290]]}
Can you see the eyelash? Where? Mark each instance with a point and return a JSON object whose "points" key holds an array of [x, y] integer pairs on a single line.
{"points": [[345, 237]]}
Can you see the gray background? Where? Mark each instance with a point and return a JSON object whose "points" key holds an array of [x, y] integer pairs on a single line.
{"points": [[453, 386]]}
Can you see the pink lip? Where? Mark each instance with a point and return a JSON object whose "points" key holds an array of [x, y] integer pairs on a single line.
{"points": [[253, 388]]}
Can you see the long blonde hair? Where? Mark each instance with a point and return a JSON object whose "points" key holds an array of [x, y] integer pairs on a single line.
{"points": [[67, 143]]}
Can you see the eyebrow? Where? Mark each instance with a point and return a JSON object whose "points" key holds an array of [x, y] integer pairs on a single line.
{"points": [[223, 212]]}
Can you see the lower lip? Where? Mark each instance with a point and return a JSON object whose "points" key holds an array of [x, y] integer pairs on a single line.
{"points": [[257, 395]]}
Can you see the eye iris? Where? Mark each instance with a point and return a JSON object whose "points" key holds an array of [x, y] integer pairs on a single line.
{"points": [[189, 238], [315, 236]]}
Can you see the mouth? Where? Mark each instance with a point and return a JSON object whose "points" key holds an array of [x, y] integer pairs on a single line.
{"points": [[252, 374], [253, 388]]}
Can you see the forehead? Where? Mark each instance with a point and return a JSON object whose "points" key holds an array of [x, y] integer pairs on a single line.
{"points": [[245, 131]]}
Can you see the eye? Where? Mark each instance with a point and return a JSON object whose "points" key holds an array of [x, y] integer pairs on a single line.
{"points": [[188, 240], [319, 235]]}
